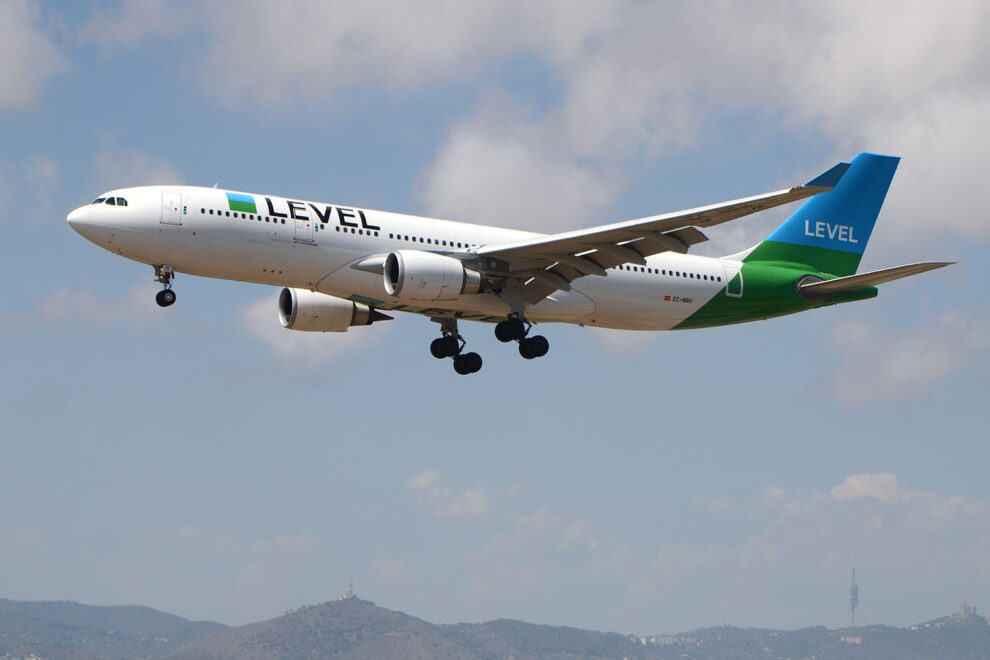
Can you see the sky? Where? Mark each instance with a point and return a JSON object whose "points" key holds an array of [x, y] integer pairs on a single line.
{"points": [[202, 460]]}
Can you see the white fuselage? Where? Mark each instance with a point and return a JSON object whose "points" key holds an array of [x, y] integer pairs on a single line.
{"points": [[310, 245]]}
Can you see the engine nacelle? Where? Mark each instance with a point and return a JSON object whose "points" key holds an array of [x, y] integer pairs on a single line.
{"points": [[309, 311], [427, 276]]}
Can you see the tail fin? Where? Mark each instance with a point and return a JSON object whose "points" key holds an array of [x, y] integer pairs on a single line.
{"points": [[830, 231]]}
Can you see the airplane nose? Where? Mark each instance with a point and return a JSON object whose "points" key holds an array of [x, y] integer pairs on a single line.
{"points": [[77, 219], [83, 221]]}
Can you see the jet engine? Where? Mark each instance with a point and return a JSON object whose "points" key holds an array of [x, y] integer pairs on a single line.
{"points": [[427, 276], [299, 309]]}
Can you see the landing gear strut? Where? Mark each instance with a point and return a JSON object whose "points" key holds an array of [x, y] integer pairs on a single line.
{"points": [[451, 345], [166, 296], [515, 328]]}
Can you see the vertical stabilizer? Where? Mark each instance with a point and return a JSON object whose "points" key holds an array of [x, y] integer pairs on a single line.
{"points": [[830, 231]]}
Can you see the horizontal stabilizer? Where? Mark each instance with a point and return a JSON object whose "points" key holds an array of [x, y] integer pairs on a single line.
{"points": [[863, 280]]}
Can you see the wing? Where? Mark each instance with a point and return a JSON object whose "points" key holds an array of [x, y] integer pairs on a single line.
{"points": [[552, 262]]}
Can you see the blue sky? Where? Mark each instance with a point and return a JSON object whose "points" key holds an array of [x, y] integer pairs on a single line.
{"points": [[204, 461]]}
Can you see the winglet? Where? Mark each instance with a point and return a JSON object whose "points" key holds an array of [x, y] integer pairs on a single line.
{"points": [[830, 178]]}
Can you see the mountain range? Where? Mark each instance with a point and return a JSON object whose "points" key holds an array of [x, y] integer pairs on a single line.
{"points": [[356, 629]]}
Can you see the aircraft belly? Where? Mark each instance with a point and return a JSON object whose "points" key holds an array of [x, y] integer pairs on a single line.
{"points": [[564, 306]]}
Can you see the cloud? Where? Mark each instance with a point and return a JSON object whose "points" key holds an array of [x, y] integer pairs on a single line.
{"points": [[775, 544], [305, 350], [35, 177], [633, 83], [29, 56], [536, 537], [132, 21], [884, 487], [864, 508], [120, 167], [305, 50], [877, 368], [447, 503], [501, 174], [84, 307], [186, 533], [644, 82]]}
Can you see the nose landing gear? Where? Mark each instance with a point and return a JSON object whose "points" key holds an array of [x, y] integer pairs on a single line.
{"points": [[164, 275], [451, 345], [515, 328]]}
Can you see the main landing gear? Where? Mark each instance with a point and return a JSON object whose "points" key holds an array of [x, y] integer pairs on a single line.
{"points": [[166, 296], [451, 345], [515, 328]]}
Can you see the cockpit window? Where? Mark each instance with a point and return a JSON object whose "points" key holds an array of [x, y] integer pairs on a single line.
{"points": [[121, 201], [111, 201], [99, 200]]}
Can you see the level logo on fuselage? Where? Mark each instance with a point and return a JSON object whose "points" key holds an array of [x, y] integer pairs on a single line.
{"points": [[297, 211]]}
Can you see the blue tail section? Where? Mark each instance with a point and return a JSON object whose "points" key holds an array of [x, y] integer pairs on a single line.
{"points": [[830, 230]]}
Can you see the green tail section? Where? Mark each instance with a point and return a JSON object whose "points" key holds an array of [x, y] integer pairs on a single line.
{"points": [[763, 290]]}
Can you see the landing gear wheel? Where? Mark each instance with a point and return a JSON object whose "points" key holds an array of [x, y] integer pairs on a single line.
{"points": [[165, 298], [534, 347], [164, 275], [510, 329], [451, 345], [444, 347], [468, 363], [540, 345]]}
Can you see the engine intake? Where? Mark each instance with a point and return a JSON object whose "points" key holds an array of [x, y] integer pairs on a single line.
{"points": [[309, 311], [427, 276]]}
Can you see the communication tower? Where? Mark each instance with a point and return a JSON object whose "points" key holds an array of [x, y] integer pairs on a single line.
{"points": [[853, 598]]}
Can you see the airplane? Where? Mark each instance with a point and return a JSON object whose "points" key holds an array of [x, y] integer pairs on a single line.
{"points": [[344, 266]]}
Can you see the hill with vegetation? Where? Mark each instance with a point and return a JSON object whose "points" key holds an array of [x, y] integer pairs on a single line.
{"points": [[63, 629]]}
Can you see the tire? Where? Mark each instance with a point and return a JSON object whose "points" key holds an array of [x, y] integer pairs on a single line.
{"points": [[165, 297], [502, 332], [540, 345], [473, 362], [437, 349], [526, 349], [515, 328], [450, 345], [461, 366]]}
